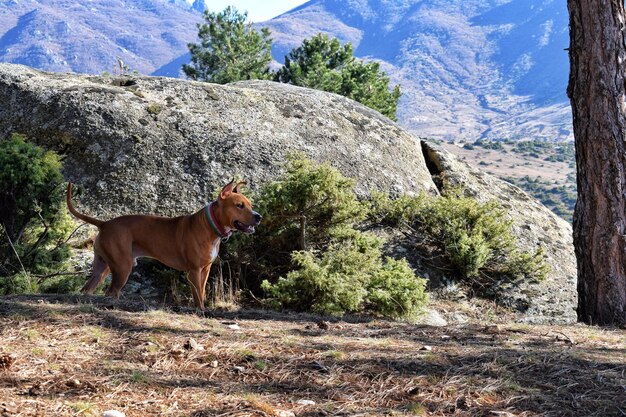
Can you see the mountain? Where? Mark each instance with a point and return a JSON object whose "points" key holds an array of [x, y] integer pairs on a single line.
{"points": [[469, 69], [493, 69], [87, 37]]}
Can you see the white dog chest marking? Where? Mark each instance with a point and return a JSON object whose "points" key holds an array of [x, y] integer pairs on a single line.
{"points": [[215, 249]]}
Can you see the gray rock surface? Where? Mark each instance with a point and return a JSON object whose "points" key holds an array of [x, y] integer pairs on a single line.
{"points": [[164, 146], [161, 145], [534, 225], [432, 318]]}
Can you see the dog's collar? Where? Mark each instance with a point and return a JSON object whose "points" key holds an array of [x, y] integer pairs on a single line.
{"points": [[210, 216]]}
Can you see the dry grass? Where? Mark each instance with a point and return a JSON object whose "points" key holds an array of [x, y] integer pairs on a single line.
{"points": [[81, 356]]}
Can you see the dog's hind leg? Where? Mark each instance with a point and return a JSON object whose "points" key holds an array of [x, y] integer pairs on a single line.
{"points": [[100, 270], [119, 277]]}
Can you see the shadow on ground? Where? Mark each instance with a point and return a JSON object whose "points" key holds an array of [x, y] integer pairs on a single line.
{"points": [[134, 357]]}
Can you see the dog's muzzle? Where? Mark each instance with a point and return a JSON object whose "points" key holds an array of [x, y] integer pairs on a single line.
{"points": [[249, 228]]}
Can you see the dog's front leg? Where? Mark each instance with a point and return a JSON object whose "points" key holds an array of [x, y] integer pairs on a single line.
{"points": [[204, 276], [194, 276]]}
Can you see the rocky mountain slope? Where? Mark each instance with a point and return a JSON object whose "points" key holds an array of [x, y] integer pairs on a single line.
{"points": [[492, 69], [468, 69], [87, 37], [160, 145]]}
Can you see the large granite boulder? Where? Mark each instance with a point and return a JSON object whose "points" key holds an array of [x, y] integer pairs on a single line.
{"points": [[162, 145], [535, 227], [159, 145]]}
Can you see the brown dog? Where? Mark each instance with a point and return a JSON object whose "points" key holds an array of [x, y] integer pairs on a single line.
{"points": [[187, 243]]}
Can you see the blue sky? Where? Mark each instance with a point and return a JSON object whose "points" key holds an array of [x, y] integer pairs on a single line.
{"points": [[258, 10]]}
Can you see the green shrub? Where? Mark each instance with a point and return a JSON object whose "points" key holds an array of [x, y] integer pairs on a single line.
{"points": [[311, 199], [404, 209], [301, 211], [33, 225], [322, 285], [474, 237], [394, 291], [528, 264], [61, 284], [19, 283], [308, 254], [350, 277]]}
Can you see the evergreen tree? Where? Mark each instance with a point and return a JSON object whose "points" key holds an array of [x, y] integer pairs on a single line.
{"points": [[315, 64], [322, 63], [33, 223], [229, 50], [597, 90], [366, 83]]}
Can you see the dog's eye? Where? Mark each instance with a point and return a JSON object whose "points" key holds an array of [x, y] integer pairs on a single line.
{"points": [[240, 205]]}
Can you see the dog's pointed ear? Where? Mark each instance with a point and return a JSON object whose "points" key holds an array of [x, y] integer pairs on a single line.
{"points": [[240, 183], [228, 188]]}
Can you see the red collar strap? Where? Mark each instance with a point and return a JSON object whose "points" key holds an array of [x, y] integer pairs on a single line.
{"points": [[210, 216]]}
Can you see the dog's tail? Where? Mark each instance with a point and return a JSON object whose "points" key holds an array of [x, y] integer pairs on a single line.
{"points": [[76, 213]]}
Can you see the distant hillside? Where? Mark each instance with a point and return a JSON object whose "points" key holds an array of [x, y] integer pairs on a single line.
{"points": [[545, 170], [469, 70], [490, 69], [87, 37]]}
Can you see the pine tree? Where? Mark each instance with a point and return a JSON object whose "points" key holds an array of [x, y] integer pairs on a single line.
{"points": [[366, 83], [597, 90], [229, 50], [324, 64]]}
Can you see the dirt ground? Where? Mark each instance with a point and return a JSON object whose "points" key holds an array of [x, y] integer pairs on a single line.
{"points": [[82, 356]]}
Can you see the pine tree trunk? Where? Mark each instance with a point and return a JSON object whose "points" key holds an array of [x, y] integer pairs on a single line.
{"points": [[598, 95]]}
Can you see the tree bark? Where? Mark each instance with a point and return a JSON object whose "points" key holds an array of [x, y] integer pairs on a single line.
{"points": [[597, 92]]}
